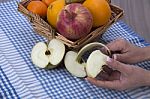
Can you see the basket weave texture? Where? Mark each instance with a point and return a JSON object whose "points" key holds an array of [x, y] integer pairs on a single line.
{"points": [[43, 28]]}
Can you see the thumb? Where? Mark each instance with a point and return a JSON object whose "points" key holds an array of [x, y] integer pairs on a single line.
{"points": [[119, 57], [122, 57], [114, 64]]}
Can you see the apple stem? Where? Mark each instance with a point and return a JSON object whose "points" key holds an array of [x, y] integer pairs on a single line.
{"points": [[70, 15], [73, 1]]}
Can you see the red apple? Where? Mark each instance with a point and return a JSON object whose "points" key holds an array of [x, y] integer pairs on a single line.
{"points": [[74, 21]]}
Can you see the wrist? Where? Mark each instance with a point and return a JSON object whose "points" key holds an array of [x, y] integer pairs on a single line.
{"points": [[147, 78], [144, 53]]}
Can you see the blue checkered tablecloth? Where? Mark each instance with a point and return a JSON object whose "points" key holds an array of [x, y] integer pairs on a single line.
{"points": [[20, 79]]}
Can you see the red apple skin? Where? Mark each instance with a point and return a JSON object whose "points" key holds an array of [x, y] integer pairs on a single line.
{"points": [[74, 21]]}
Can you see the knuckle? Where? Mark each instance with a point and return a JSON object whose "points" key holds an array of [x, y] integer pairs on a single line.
{"points": [[116, 63], [121, 40], [130, 70]]}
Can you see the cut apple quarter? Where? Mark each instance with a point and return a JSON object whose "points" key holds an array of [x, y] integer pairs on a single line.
{"points": [[75, 68], [95, 62], [50, 55]]}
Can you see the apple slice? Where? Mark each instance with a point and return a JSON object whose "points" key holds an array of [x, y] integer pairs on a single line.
{"points": [[90, 46], [48, 56], [75, 68], [95, 62]]}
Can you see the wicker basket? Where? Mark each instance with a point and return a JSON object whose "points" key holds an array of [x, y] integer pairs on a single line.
{"points": [[43, 28]]}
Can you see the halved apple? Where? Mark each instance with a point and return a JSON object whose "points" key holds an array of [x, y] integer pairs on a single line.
{"points": [[94, 63], [48, 56]]}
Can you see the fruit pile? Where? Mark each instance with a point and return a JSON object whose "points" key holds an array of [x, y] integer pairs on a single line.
{"points": [[74, 19]]}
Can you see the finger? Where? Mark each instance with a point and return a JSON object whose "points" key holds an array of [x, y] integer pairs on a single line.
{"points": [[107, 69], [114, 76], [118, 57], [104, 51], [121, 57], [105, 84], [116, 45], [102, 76], [116, 65]]}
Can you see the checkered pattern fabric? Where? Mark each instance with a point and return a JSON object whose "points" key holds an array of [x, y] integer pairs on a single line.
{"points": [[20, 79]]}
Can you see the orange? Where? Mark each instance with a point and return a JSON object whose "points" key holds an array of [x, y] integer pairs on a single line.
{"points": [[53, 11], [38, 7], [100, 10], [48, 2]]}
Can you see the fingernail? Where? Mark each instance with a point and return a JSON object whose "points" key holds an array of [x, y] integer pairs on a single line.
{"points": [[85, 78], [109, 59], [114, 57]]}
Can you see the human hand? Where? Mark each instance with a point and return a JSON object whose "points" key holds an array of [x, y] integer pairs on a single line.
{"points": [[123, 77], [128, 53]]}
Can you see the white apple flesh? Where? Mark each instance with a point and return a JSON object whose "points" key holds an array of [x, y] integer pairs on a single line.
{"points": [[38, 55], [75, 68], [51, 55], [57, 50], [95, 62]]}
